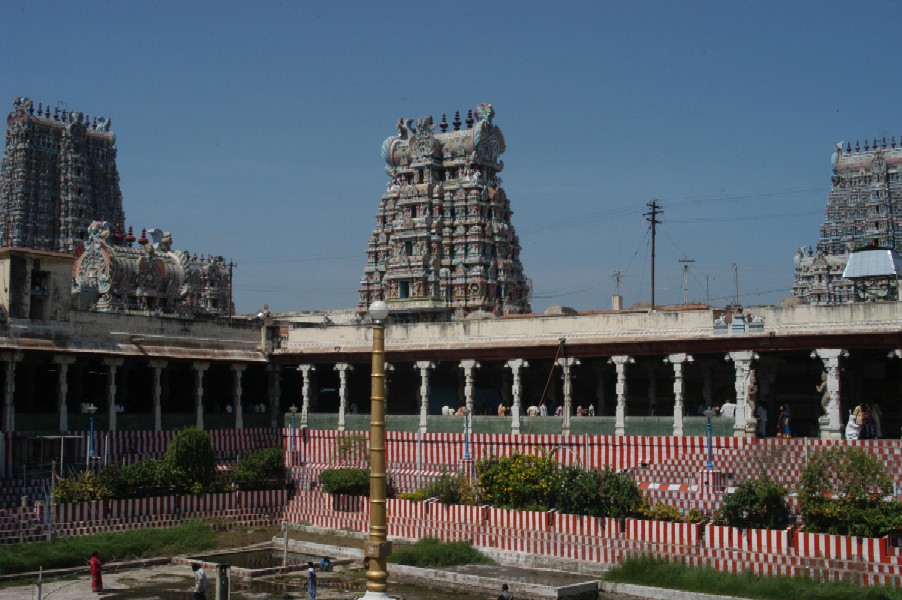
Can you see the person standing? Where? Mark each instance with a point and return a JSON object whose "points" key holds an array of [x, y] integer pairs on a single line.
{"points": [[761, 415], [311, 581], [96, 575], [783, 429], [505, 593], [200, 582]]}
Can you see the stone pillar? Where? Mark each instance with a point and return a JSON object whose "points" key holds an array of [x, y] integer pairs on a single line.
{"points": [[515, 366], [600, 390], [199, 369], [831, 422], [566, 365], [468, 366], [9, 390], [679, 389], [112, 364], [306, 373], [424, 367], [651, 370], [342, 369], [63, 361], [744, 424], [620, 363], [389, 369], [238, 368], [157, 365]]}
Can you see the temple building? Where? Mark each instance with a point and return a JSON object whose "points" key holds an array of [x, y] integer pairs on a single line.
{"points": [[58, 174], [864, 210], [444, 246], [111, 274]]}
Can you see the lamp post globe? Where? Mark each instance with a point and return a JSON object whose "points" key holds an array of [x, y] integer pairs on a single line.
{"points": [[709, 413], [378, 311], [91, 409]]}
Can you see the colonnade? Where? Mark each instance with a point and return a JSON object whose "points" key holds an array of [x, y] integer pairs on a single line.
{"points": [[751, 376]]}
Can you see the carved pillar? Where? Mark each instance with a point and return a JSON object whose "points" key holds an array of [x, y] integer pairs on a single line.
{"points": [[515, 366], [9, 390], [112, 364], [424, 367], [275, 393], [63, 361], [830, 422], [468, 366], [620, 363], [679, 389], [745, 423], [389, 369], [306, 373], [566, 365], [342, 369], [157, 365], [651, 369], [199, 370], [236, 395]]}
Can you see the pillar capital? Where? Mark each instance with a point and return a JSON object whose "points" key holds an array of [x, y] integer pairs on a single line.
{"points": [[343, 367], [468, 365], [200, 365], [516, 364], [830, 356], [678, 358], [63, 359], [743, 356], [305, 369], [424, 365], [11, 356], [567, 362], [159, 363], [239, 367], [621, 360], [113, 362]]}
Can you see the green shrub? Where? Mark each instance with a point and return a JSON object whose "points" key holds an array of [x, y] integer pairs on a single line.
{"points": [[756, 504], [81, 487], [662, 512], [619, 496], [842, 491], [521, 481], [417, 496], [451, 489], [260, 470], [354, 482], [190, 461], [430, 552]]}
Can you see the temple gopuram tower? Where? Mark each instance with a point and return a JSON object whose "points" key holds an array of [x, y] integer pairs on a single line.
{"points": [[58, 174], [864, 209], [444, 246]]}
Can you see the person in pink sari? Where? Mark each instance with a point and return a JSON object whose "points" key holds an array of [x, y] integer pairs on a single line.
{"points": [[96, 576]]}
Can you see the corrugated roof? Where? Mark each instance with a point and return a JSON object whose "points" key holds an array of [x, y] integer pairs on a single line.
{"points": [[873, 263]]}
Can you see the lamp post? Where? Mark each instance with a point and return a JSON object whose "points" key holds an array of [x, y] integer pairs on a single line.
{"points": [[377, 548], [90, 409], [466, 434], [291, 444], [709, 413]]}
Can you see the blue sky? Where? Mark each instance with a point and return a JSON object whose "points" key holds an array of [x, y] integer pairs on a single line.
{"points": [[253, 130]]}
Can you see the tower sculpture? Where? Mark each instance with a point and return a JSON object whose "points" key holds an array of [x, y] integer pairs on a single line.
{"points": [[444, 246], [57, 175], [864, 209]]}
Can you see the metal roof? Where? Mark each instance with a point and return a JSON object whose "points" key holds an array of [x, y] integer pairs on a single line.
{"points": [[873, 263]]}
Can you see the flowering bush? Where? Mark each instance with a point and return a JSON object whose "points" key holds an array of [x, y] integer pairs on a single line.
{"points": [[522, 481]]}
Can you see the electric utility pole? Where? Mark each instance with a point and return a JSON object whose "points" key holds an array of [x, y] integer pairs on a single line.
{"points": [[686, 262], [652, 217]]}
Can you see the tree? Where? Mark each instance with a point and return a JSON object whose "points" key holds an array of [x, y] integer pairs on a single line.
{"points": [[190, 461]]}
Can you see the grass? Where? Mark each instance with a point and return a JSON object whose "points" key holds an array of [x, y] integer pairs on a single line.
{"points": [[661, 573], [111, 547], [430, 552]]}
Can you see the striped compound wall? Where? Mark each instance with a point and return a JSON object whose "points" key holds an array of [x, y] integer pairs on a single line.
{"points": [[605, 542]]}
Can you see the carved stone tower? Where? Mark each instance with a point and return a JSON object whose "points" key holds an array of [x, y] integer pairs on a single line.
{"points": [[58, 174], [444, 245]]}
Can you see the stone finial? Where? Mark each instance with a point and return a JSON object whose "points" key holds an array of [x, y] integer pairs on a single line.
{"points": [[143, 239], [40, 109], [456, 121], [866, 146], [94, 123], [444, 124], [31, 109], [130, 238], [470, 119], [848, 147], [893, 142], [64, 115], [883, 145], [857, 146], [47, 112], [874, 144], [430, 121], [117, 235], [56, 113]]}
